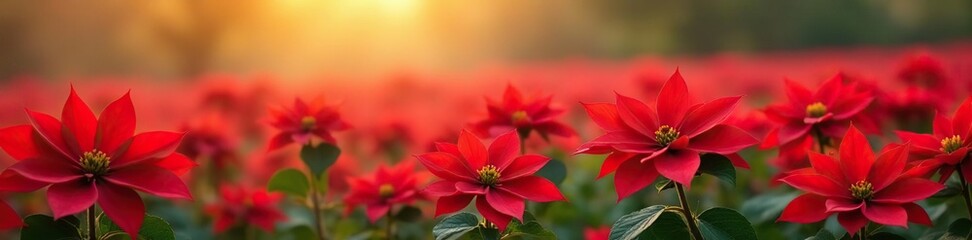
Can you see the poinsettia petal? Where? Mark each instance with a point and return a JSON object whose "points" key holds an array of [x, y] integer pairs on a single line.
{"points": [[906, 190], [448, 148], [817, 184], [637, 115], [827, 166], [962, 120], [504, 149], [605, 115], [673, 100], [451, 204], [888, 166], [806, 208], [737, 160], [679, 166], [49, 128], [633, 176], [830, 90], [471, 188], [506, 203], [376, 211], [722, 139], [280, 140], [856, 157], [923, 144], [116, 124], [72, 197], [792, 131], [8, 217], [842, 205], [798, 95], [18, 141], [80, 123], [848, 106], [148, 145], [533, 188], [917, 214], [472, 150], [176, 163], [852, 221], [887, 214], [47, 170], [612, 162], [446, 166], [150, 179], [523, 166], [494, 216], [942, 126], [11, 181], [123, 206], [708, 115], [440, 188]]}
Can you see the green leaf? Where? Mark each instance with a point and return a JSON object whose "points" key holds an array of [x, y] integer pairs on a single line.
{"points": [[719, 166], [664, 184], [950, 190], [767, 206], [482, 233], [409, 214], [455, 226], [153, 228], [631, 225], [669, 225], [723, 223], [823, 234], [531, 231], [44, 227], [290, 181], [554, 170], [298, 233], [319, 158], [958, 230], [886, 236]]}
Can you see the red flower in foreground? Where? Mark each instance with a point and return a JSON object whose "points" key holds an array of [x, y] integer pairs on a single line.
{"points": [[524, 115], [241, 204], [949, 144], [644, 143], [859, 188], [303, 121], [8, 217], [86, 160], [499, 179], [828, 111], [388, 186]]}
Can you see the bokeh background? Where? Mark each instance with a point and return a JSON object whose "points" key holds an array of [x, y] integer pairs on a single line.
{"points": [[407, 73]]}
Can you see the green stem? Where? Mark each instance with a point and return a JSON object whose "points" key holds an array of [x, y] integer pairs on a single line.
{"points": [[965, 194], [315, 203], [686, 210], [863, 233], [821, 141], [92, 223], [390, 224]]}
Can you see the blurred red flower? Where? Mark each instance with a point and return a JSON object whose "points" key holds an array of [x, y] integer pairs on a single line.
{"points": [[499, 179], [8, 217], [860, 188], [304, 120], [86, 160], [827, 112], [522, 114], [644, 143], [212, 138], [949, 144], [398, 184], [242, 204]]}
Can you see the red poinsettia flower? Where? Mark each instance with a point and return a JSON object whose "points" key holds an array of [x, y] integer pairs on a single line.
{"points": [[859, 187], [949, 144], [386, 187], [8, 217], [828, 111], [248, 205], [926, 71], [210, 138], [86, 160], [525, 115], [644, 143], [497, 177], [304, 120]]}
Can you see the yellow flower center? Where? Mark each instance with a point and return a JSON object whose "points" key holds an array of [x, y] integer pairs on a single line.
{"points": [[386, 190], [862, 190], [308, 123], [95, 162], [520, 118], [488, 175], [665, 135], [950, 144], [816, 109]]}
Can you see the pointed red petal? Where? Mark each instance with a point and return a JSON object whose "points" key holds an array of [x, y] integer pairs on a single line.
{"points": [[80, 123], [472, 150], [798, 95], [806, 208], [523, 166], [942, 126], [722, 139], [150, 179], [116, 124], [512, 98], [506, 203], [679, 166], [19, 142], [842, 205], [817, 184], [504, 149], [451, 204], [673, 100], [856, 156], [471, 188], [605, 115], [489, 213], [633, 176], [962, 121], [123, 206], [8, 217], [916, 214], [533, 188], [708, 115], [852, 221], [376, 211], [612, 162], [11, 181], [923, 145], [71, 197], [907, 190], [440, 188], [46, 170], [280, 140], [148, 145], [50, 129], [888, 166], [887, 214], [637, 115], [176, 163], [827, 166], [446, 166]]}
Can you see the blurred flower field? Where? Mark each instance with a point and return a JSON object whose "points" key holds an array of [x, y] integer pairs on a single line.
{"points": [[554, 150]]}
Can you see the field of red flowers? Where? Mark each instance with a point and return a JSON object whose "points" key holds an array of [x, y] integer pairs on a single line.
{"points": [[854, 143]]}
